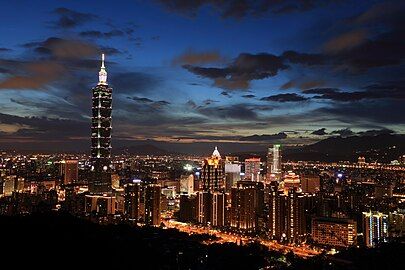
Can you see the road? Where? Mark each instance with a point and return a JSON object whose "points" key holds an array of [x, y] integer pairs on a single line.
{"points": [[223, 237]]}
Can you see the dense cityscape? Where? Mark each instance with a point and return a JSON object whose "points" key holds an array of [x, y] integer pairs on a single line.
{"points": [[304, 208], [219, 135]]}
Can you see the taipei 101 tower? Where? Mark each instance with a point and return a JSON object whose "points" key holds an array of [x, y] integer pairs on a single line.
{"points": [[100, 179]]}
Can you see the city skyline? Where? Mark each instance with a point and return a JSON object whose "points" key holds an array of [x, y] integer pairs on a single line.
{"points": [[293, 74]]}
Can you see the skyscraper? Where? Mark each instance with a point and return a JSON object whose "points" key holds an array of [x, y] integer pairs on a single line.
{"points": [[252, 169], [152, 204], [70, 171], [100, 181], [375, 228], [131, 203], [273, 163], [213, 172], [211, 200]]}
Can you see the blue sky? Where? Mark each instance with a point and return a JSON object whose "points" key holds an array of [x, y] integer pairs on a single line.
{"points": [[201, 71]]}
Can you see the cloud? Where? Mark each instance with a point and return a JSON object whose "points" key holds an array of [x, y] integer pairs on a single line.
{"points": [[99, 34], [2, 49], [64, 48], [346, 132], [69, 18], [396, 91], [375, 132], [346, 41], [36, 76], [265, 137], [191, 57], [226, 94], [240, 9], [290, 97], [236, 111], [320, 132], [245, 68], [249, 96]]}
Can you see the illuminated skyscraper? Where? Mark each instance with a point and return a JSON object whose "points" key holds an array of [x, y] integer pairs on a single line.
{"points": [[131, 203], [213, 172], [252, 169], [70, 171], [211, 200], [100, 181], [152, 204], [274, 163], [375, 228]]}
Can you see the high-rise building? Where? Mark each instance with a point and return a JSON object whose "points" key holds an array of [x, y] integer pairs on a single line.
{"points": [[188, 208], [101, 205], [274, 163], [232, 175], [310, 183], [187, 184], [252, 169], [291, 181], [247, 205], [100, 180], [212, 199], [152, 204], [131, 202], [334, 232], [286, 214], [70, 171], [375, 228], [213, 172]]}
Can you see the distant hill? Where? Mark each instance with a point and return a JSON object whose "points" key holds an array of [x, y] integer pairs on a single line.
{"points": [[381, 148], [143, 149]]}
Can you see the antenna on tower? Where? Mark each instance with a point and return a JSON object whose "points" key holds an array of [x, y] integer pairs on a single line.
{"points": [[102, 60]]}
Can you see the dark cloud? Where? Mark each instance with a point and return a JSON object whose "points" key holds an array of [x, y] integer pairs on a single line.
{"points": [[265, 137], [99, 34], [243, 8], [69, 18], [64, 48], [245, 68], [375, 132], [141, 99], [365, 112], [249, 96], [303, 58], [226, 94], [394, 91], [346, 132], [191, 57], [5, 50], [290, 97], [35, 76], [320, 132], [346, 41], [237, 111]]}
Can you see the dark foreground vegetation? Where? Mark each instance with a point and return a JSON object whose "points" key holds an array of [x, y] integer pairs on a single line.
{"points": [[53, 241]]}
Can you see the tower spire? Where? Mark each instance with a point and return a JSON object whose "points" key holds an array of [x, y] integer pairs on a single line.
{"points": [[102, 75]]}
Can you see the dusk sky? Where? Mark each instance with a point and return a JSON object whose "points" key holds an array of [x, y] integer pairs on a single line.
{"points": [[203, 71]]}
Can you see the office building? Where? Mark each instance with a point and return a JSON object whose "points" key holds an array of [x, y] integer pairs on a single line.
{"points": [[152, 204], [247, 205], [131, 202], [100, 205], [375, 228], [232, 175], [100, 180], [274, 170], [334, 232], [70, 171], [310, 183], [252, 169], [213, 172], [188, 208], [187, 184]]}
